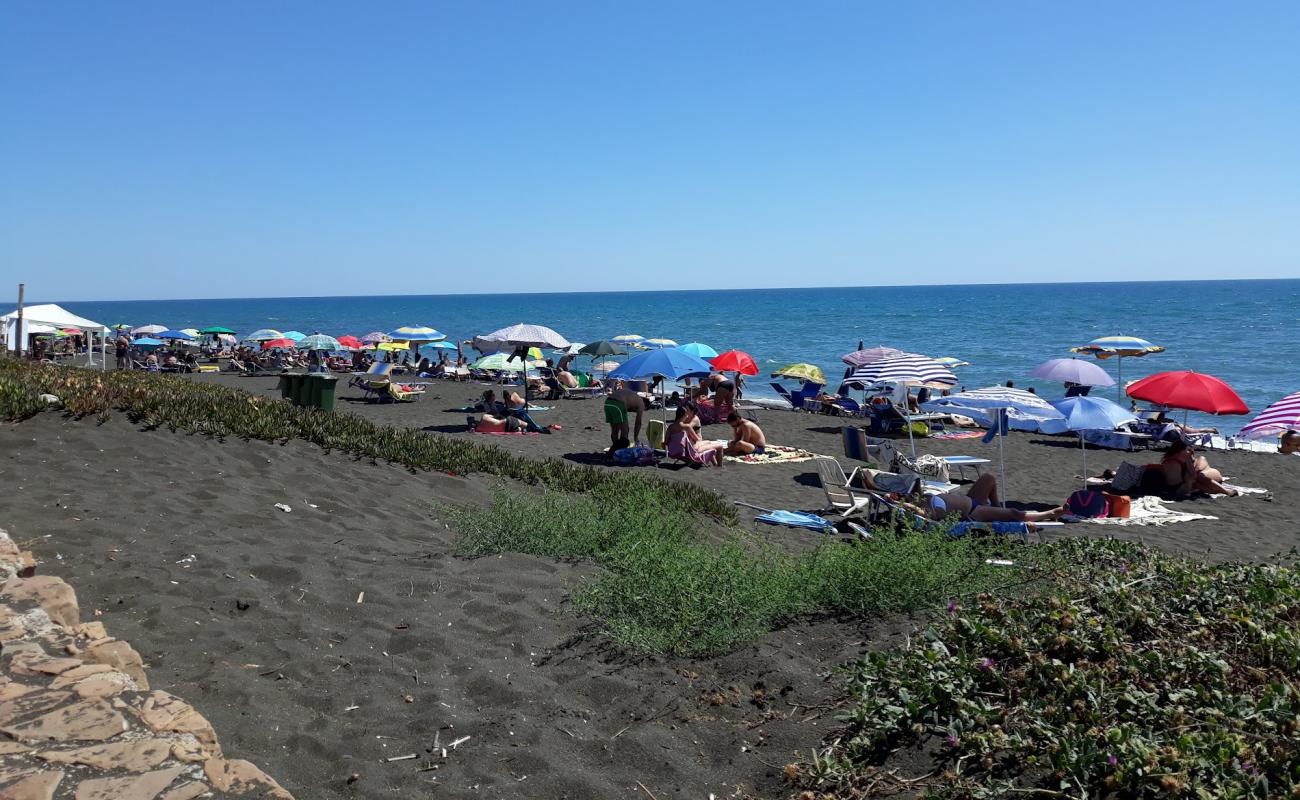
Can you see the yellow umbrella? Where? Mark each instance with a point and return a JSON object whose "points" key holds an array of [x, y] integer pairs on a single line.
{"points": [[802, 372]]}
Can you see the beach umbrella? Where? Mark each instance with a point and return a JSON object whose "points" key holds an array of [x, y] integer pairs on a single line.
{"points": [[148, 330], [281, 343], [193, 332], [1072, 370], [908, 369], [181, 335], [1026, 411], [1191, 391], [296, 336], [350, 342], [953, 363], [735, 361], [1282, 416], [264, 335], [573, 349], [1120, 347], [698, 350], [319, 341], [216, 329], [501, 362], [657, 344], [521, 335], [602, 348], [391, 347], [605, 366], [415, 333], [627, 339], [374, 337], [122, 326], [226, 338], [443, 345], [1091, 414], [801, 372], [860, 358], [669, 363], [147, 343]]}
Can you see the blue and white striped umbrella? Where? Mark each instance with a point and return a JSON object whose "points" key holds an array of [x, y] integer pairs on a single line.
{"points": [[1026, 410], [907, 369]]}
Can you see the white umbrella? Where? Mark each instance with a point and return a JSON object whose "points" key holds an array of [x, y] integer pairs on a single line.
{"points": [[521, 335]]}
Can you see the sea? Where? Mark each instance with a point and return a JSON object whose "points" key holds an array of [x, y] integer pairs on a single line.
{"points": [[1244, 331]]}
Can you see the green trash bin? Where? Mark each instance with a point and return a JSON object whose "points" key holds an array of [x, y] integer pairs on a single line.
{"points": [[323, 388], [287, 387]]}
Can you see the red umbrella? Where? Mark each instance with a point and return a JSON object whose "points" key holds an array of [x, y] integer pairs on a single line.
{"points": [[1189, 390], [350, 341], [270, 344], [735, 361]]}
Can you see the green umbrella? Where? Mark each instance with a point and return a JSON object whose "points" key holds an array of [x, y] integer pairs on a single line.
{"points": [[216, 329], [602, 348]]}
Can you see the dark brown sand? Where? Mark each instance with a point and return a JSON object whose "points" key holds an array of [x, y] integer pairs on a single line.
{"points": [[252, 615], [262, 629]]}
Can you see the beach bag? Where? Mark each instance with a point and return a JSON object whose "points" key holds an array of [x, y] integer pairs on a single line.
{"points": [[1117, 505], [1127, 477], [926, 466], [1087, 504]]}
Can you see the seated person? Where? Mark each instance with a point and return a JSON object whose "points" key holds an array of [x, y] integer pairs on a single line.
{"points": [[1289, 442], [1184, 472], [747, 438], [566, 379], [683, 440], [1161, 418]]}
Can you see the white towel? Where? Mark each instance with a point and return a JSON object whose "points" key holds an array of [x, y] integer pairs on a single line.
{"points": [[1149, 510]]}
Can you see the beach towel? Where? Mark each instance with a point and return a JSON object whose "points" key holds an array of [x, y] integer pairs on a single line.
{"points": [[1149, 510], [797, 519], [773, 454], [507, 433], [958, 435], [1242, 489]]}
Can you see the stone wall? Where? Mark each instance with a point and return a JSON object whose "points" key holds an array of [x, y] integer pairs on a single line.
{"points": [[77, 718]]}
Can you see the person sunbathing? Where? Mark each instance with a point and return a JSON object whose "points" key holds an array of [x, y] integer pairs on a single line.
{"points": [[1185, 472], [683, 440], [566, 379], [1161, 418], [980, 503], [747, 438], [492, 424]]}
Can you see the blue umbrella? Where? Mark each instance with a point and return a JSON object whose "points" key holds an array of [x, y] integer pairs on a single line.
{"points": [[147, 343], [294, 335], [668, 363], [443, 345], [1091, 414], [698, 350], [174, 335]]}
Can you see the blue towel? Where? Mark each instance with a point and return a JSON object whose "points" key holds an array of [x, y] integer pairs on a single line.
{"points": [[797, 519], [1004, 528]]}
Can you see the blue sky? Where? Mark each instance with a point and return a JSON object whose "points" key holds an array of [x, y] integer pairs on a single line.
{"points": [[162, 149]]}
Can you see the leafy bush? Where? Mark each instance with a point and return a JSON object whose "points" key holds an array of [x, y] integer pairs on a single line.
{"points": [[181, 404], [1135, 675]]}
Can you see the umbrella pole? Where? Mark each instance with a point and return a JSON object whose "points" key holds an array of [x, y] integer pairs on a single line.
{"points": [[1083, 448], [1120, 383], [1002, 461]]}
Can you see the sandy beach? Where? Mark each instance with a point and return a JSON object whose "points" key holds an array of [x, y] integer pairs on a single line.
{"points": [[323, 641]]}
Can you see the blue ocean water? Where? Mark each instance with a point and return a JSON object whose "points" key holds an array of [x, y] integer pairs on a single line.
{"points": [[1241, 331]]}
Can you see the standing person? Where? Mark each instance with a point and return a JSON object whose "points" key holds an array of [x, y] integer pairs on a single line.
{"points": [[747, 438], [123, 350], [618, 406]]}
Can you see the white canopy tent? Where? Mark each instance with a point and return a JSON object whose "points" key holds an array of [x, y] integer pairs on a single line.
{"points": [[45, 318]]}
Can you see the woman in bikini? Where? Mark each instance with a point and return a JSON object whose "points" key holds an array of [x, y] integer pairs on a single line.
{"points": [[1185, 472]]}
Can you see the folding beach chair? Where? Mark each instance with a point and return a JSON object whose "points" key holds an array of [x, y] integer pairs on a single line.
{"points": [[841, 496]]}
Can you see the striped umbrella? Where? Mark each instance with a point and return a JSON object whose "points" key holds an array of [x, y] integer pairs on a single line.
{"points": [[908, 369], [861, 358], [1119, 347], [264, 335], [1025, 410], [658, 344], [1282, 416], [374, 337], [415, 333]]}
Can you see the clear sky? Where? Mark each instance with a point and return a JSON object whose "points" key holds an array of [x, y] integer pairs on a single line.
{"points": [[223, 149]]}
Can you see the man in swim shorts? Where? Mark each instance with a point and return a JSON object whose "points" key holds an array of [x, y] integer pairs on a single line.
{"points": [[619, 406], [747, 437]]}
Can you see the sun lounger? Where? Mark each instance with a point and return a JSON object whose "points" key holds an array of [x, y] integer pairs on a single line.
{"points": [[962, 463], [399, 394], [655, 430]]}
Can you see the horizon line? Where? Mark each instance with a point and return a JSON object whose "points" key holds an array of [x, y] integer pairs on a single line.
{"points": [[652, 291]]}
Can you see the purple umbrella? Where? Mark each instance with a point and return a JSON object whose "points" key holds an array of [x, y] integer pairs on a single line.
{"points": [[861, 358], [1073, 370]]}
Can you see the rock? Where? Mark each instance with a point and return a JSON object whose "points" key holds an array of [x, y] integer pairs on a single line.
{"points": [[50, 593], [139, 755], [121, 656], [187, 791], [29, 703], [75, 674], [91, 630], [187, 748], [164, 713], [51, 401], [237, 777], [135, 787], [10, 748], [105, 684], [39, 786], [30, 663], [86, 720]]}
